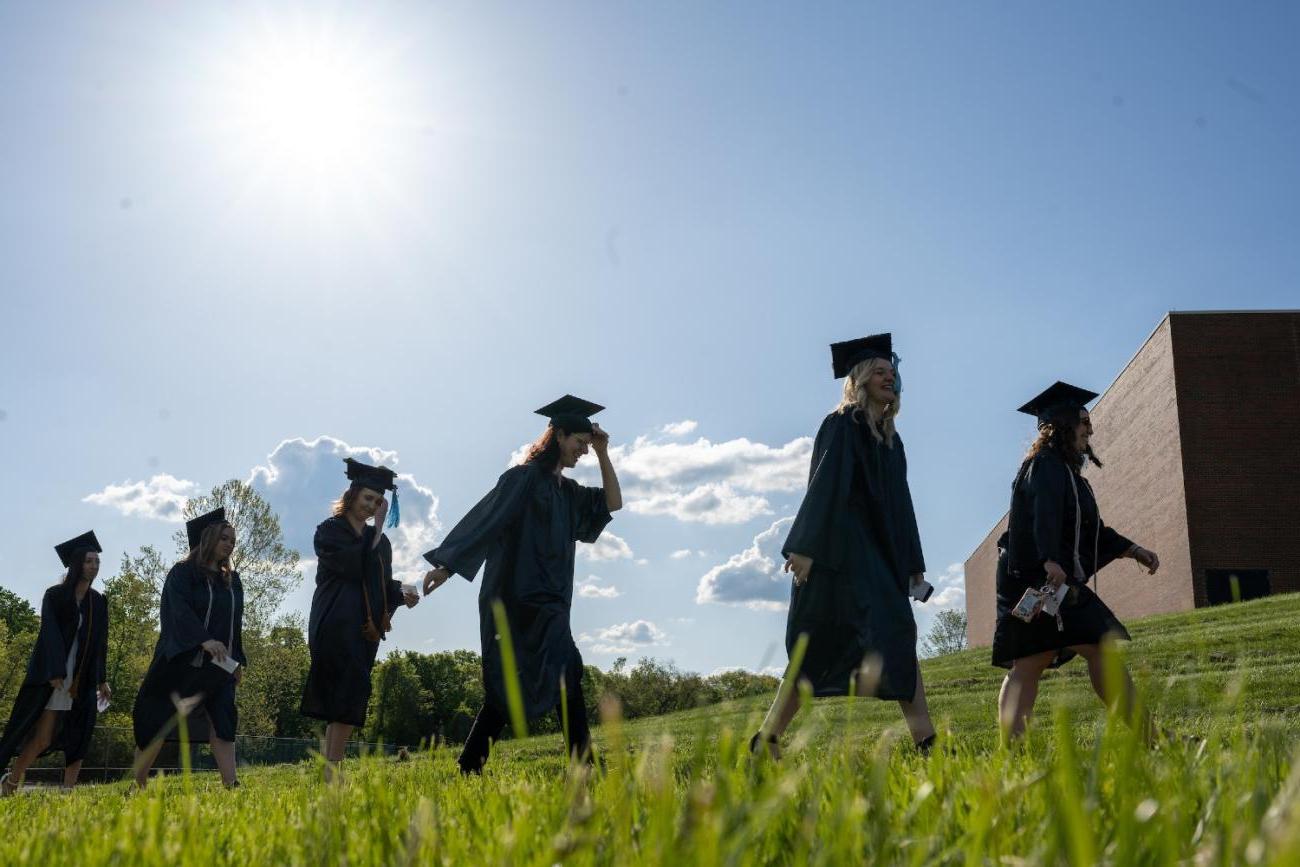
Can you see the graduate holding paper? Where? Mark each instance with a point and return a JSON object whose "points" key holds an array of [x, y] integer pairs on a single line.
{"points": [[352, 608], [1056, 539], [526, 529], [199, 654], [855, 553], [56, 707]]}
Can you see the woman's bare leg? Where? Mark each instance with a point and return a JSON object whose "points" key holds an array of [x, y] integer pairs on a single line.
{"points": [[70, 774], [144, 760], [1126, 700], [336, 742], [224, 753], [917, 713], [1020, 691], [37, 743]]}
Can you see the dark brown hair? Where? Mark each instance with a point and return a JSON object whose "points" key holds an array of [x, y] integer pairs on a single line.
{"points": [[1056, 432], [545, 450], [207, 547], [77, 569]]}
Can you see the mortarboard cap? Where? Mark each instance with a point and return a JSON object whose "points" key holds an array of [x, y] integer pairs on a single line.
{"points": [[379, 479], [85, 542], [195, 526], [1056, 397], [848, 354], [572, 414]]}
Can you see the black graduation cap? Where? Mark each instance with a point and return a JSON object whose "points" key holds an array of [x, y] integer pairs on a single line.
{"points": [[85, 542], [379, 479], [572, 414], [846, 355], [1057, 397], [195, 526]]}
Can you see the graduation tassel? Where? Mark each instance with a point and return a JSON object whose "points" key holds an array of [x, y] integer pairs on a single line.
{"points": [[898, 380], [394, 511]]}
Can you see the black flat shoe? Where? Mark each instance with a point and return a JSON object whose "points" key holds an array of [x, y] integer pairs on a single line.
{"points": [[772, 742], [925, 746]]}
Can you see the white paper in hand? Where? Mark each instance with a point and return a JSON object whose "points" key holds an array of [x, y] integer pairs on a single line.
{"points": [[229, 664]]}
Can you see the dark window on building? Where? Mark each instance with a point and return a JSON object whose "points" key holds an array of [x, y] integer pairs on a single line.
{"points": [[1235, 585]]}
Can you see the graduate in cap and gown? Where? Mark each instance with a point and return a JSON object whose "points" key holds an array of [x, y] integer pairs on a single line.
{"points": [[352, 608], [1055, 536], [56, 707], [200, 640], [855, 553], [526, 529]]}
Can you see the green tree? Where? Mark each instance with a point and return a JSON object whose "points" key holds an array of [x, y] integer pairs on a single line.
{"points": [[947, 634], [267, 568], [17, 613], [132, 596], [276, 680], [398, 706]]}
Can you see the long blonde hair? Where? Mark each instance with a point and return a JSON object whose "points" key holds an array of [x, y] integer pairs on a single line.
{"points": [[855, 400], [207, 548]]}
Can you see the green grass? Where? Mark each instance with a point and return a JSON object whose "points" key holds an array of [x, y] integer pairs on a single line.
{"points": [[681, 790]]}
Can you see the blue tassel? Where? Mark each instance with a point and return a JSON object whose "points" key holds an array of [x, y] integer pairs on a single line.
{"points": [[394, 511], [898, 380]]}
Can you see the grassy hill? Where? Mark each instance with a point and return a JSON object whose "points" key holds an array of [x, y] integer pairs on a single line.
{"points": [[680, 789]]}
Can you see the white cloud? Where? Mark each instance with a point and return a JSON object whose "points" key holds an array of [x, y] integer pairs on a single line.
{"points": [[680, 428], [703, 481], [162, 497], [607, 547], [302, 478], [592, 588], [752, 578], [949, 589], [681, 553], [625, 637]]}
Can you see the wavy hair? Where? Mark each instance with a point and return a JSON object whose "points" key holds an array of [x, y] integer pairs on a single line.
{"points": [[206, 551], [855, 401], [1056, 432], [545, 450]]}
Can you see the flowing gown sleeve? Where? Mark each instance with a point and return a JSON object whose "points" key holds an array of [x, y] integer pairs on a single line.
{"points": [[395, 599], [101, 638], [1046, 481], [237, 649], [340, 552], [913, 558], [181, 628], [467, 545], [49, 656], [1110, 545], [830, 476], [590, 513]]}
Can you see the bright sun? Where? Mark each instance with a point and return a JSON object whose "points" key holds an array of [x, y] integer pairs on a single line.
{"points": [[316, 111]]}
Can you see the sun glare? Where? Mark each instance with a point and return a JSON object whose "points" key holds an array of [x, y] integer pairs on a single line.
{"points": [[321, 111]]}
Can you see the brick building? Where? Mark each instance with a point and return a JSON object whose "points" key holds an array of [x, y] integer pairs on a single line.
{"points": [[1200, 434]]}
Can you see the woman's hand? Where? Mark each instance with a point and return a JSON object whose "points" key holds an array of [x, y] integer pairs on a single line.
{"points": [[435, 578], [1146, 558], [216, 648], [105, 693], [801, 566], [381, 513], [599, 440], [1055, 574], [239, 675], [410, 597], [57, 683]]}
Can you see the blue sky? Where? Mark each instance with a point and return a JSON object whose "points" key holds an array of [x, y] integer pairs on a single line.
{"points": [[240, 235]]}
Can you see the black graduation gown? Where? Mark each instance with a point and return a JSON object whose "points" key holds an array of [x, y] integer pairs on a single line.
{"points": [[186, 595], [1041, 527], [526, 529], [338, 683], [858, 525], [49, 660]]}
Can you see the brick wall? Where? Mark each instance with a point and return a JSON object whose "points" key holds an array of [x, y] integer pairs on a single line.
{"points": [[1238, 380]]}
